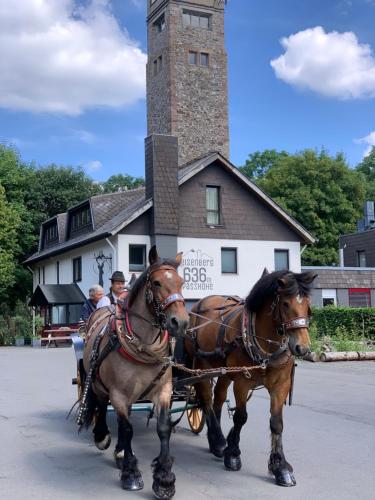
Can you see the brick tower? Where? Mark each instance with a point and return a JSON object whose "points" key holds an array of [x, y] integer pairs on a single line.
{"points": [[187, 75]]}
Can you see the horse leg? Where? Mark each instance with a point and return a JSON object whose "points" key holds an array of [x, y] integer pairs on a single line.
{"points": [[220, 396], [131, 477], [277, 465], [215, 436], [101, 432], [163, 478], [232, 452]]}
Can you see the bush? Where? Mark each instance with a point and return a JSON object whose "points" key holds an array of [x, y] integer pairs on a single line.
{"points": [[344, 322]]}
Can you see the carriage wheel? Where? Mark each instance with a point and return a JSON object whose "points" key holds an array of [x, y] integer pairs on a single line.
{"points": [[195, 416]]}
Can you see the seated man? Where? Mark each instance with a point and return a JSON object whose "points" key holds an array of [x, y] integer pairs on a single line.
{"points": [[96, 292], [117, 288]]}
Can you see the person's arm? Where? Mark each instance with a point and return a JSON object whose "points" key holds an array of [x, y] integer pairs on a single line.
{"points": [[85, 313], [103, 302]]}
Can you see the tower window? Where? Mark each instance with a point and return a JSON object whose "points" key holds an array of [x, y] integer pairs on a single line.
{"points": [[157, 65], [160, 24], [204, 59], [196, 19], [193, 57]]}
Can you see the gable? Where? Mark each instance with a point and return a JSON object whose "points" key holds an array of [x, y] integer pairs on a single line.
{"points": [[245, 216]]}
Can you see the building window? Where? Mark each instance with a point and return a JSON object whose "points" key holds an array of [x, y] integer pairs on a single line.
{"points": [[329, 297], [50, 234], [193, 57], [157, 65], [361, 258], [281, 259], [80, 220], [77, 269], [137, 258], [58, 272], [213, 205], [38, 275], [359, 297], [59, 315], [159, 24], [229, 260], [73, 313], [204, 59], [44, 275], [196, 19]]}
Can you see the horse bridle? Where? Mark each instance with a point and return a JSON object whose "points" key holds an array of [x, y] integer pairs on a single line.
{"points": [[293, 324], [161, 306]]}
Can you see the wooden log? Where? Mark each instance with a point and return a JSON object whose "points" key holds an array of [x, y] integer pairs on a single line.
{"points": [[311, 356], [348, 356]]}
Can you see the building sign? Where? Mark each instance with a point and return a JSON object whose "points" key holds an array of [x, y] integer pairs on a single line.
{"points": [[197, 270]]}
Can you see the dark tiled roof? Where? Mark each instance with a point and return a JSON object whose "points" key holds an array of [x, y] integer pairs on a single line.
{"points": [[341, 277], [109, 213], [57, 294]]}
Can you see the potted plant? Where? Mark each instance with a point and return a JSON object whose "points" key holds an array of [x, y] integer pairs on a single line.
{"points": [[36, 341], [19, 340]]}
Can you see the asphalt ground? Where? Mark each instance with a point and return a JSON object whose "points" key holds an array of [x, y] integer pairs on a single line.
{"points": [[329, 438]]}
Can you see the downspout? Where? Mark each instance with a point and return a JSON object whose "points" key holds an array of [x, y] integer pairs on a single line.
{"points": [[33, 308], [114, 254], [303, 249]]}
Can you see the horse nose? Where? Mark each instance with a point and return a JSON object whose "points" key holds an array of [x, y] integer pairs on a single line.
{"points": [[179, 325], [301, 350]]}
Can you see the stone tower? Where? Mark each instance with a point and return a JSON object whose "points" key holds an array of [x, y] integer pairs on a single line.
{"points": [[187, 75]]}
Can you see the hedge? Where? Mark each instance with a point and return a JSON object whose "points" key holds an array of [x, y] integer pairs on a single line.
{"points": [[357, 322]]}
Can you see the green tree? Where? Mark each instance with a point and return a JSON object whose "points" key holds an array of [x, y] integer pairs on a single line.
{"points": [[260, 162], [121, 182], [322, 193], [10, 223], [367, 169]]}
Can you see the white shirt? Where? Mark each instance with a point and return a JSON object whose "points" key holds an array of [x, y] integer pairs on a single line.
{"points": [[105, 301]]}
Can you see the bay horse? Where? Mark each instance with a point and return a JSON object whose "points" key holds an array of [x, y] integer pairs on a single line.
{"points": [[131, 346], [266, 330]]}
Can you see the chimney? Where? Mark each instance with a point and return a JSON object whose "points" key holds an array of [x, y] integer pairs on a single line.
{"points": [[161, 159]]}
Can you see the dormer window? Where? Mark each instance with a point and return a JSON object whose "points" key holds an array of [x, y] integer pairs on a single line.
{"points": [[80, 220], [51, 235]]}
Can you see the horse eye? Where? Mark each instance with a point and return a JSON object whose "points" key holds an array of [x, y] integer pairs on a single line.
{"points": [[157, 284]]}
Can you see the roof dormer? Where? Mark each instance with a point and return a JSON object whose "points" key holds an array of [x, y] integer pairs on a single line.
{"points": [[79, 220]]}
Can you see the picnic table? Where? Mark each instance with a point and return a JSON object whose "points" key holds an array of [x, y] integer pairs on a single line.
{"points": [[56, 335]]}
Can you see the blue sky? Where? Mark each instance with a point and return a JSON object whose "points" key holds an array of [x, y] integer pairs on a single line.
{"points": [[72, 91]]}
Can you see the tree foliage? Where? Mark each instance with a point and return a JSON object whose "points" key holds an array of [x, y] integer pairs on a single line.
{"points": [[121, 182], [367, 169], [260, 162], [318, 190]]}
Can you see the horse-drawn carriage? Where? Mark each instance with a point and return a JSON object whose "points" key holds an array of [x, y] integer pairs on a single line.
{"points": [[127, 361]]}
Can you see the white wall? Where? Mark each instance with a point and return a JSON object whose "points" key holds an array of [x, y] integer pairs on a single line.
{"points": [[252, 258], [90, 273]]}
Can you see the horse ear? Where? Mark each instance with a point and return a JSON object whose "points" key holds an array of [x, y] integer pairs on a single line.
{"points": [[282, 282], [179, 258], [153, 256], [265, 272], [309, 277]]}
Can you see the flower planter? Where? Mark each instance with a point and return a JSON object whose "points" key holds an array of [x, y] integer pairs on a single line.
{"points": [[36, 342], [19, 342]]}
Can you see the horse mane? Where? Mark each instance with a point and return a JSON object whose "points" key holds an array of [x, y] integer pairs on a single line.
{"points": [[141, 280], [268, 286]]}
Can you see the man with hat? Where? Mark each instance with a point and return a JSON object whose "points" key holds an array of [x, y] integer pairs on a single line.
{"points": [[117, 287]]}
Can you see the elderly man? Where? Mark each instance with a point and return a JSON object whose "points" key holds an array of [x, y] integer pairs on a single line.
{"points": [[117, 287], [96, 292]]}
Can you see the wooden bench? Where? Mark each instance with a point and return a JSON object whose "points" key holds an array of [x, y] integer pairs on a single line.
{"points": [[55, 336]]}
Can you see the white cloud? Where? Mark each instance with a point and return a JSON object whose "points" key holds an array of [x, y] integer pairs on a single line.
{"points": [[93, 166], [333, 64], [57, 56], [369, 140]]}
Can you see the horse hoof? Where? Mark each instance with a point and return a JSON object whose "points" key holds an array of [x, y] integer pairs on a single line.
{"points": [[163, 492], [104, 444], [285, 478], [119, 458], [232, 463], [132, 483]]}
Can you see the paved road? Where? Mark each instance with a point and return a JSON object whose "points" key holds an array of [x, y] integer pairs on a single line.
{"points": [[329, 437]]}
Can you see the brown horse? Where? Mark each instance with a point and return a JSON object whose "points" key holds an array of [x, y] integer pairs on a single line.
{"points": [[265, 331], [132, 365]]}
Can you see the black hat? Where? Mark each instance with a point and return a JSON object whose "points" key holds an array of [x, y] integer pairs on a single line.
{"points": [[118, 276]]}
